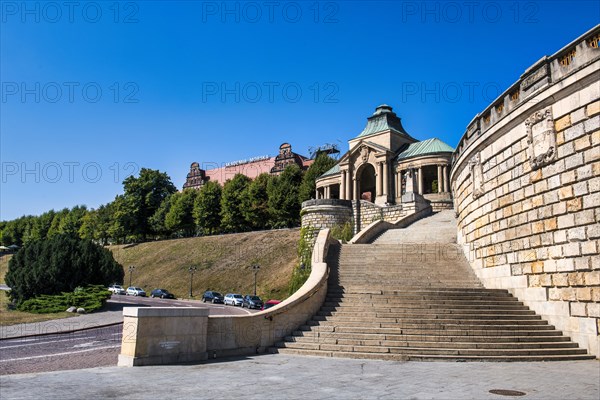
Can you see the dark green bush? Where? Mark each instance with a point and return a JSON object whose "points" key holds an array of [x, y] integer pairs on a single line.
{"points": [[91, 298], [59, 265]]}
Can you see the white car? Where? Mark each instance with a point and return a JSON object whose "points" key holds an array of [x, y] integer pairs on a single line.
{"points": [[116, 289], [233, 299], [135, 291]]}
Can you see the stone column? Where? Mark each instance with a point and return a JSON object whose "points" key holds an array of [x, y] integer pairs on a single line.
{"points": [[355, 194], [348, 185], [385, 178], [378, 176], [420, 180], [445, 177], [327, 192], [440, 183], [343, 185]]}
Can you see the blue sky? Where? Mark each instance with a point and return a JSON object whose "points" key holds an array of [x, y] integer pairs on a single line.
{"points": [[94, 91]]}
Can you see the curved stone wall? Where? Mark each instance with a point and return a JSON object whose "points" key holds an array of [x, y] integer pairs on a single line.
{"points": [[526, 184]]}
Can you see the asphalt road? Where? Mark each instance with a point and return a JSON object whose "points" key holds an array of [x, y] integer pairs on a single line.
{"points": [[85, 349], [96, 347], [215, 309]]}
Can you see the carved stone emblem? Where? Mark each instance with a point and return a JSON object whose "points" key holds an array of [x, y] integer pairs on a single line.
{"points": [[476, 176], [364, 153], [541, 138]]}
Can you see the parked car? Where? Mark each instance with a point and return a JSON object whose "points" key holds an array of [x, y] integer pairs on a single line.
{"points": [[269, 304], [233, 299], [162, 293], [116, 289], [214, 297], [252, 302], [135, 291]]}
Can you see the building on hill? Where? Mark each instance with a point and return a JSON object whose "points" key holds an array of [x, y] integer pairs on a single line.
{"points": [[383, 159], [251, 167]]}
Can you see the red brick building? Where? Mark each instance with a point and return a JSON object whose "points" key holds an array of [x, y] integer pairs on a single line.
{"points": [[252, 167]]}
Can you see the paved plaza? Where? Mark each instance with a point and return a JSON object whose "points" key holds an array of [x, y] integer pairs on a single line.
{"points": [[295, 377]]}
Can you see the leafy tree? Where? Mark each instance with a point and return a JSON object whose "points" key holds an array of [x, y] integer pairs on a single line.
{"points": [[180, 219], [255, 202], [60, 264], [284, 204], [157, 221], [56, 223], [207, 208], [72, 221], [143, 196], [121, 220], [232, 215], [322, 164]]}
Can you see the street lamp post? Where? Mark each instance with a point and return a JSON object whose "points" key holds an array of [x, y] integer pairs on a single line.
{"points": [[191, 270], [131, 269], [255, 267]]}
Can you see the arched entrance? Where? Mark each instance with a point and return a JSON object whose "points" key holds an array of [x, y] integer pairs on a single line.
{"points": [[366, 179]]}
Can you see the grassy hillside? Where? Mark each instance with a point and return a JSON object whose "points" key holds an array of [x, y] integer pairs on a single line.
{"points": [[223, 262]]}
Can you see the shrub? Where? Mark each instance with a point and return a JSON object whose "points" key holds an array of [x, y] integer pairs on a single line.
{"points": [[60, 264], [342, 232], [91, 298]]}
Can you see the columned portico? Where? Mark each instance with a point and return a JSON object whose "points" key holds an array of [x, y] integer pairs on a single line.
{"points": [[374, 167]]}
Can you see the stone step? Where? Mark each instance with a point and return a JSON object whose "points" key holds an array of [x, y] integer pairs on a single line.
{"points": [[454, 330], [336, 289], [433, 350], [435, 323], [420, 303], [516, 338], [449, 313], [388, 317], [429, 357], [436, 344], [399, 298]]}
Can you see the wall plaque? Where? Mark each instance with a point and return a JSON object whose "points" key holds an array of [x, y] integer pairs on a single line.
{"points": [[541, 138], [476, 176]]}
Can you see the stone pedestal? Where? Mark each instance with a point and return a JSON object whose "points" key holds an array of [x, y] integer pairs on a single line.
{"points": [[163, 335]]}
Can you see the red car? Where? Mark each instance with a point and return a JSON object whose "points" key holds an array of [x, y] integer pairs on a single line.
{"points": [[270, 303]]}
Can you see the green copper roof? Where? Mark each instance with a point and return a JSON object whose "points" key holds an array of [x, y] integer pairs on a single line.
{"points": [[383, 119], [333, 171], [429, 146]]}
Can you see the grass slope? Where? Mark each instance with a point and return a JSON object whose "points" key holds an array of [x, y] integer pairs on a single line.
{"points": [[223, 261]]}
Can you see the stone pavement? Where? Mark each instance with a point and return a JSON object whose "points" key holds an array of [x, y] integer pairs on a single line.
{"points": [[295, 377]]}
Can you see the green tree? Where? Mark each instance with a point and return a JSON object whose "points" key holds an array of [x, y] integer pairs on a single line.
{"points": [[284, 202], [60, 264], [322, 164], [207, 208], [143, 196], [157, 221], [232, 214], [255, 202], [121, 220], [72, 221], [180, 219]]}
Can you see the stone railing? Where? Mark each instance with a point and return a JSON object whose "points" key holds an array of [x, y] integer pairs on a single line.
{"points": [[378, 227], [526, 184], [171, 335]]}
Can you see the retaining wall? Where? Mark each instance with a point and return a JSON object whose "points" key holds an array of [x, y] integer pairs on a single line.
{"points": [[526, 185]]}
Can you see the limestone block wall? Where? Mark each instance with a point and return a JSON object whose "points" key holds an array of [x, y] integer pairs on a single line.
{"points": [[324, 214], [526, 184], [366, 213]]}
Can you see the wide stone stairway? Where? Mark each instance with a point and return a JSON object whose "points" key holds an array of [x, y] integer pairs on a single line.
{"points": [[411, 295]]}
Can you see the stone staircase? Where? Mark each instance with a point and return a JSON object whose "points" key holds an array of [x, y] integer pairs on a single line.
{"points": [[398, 300]]}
